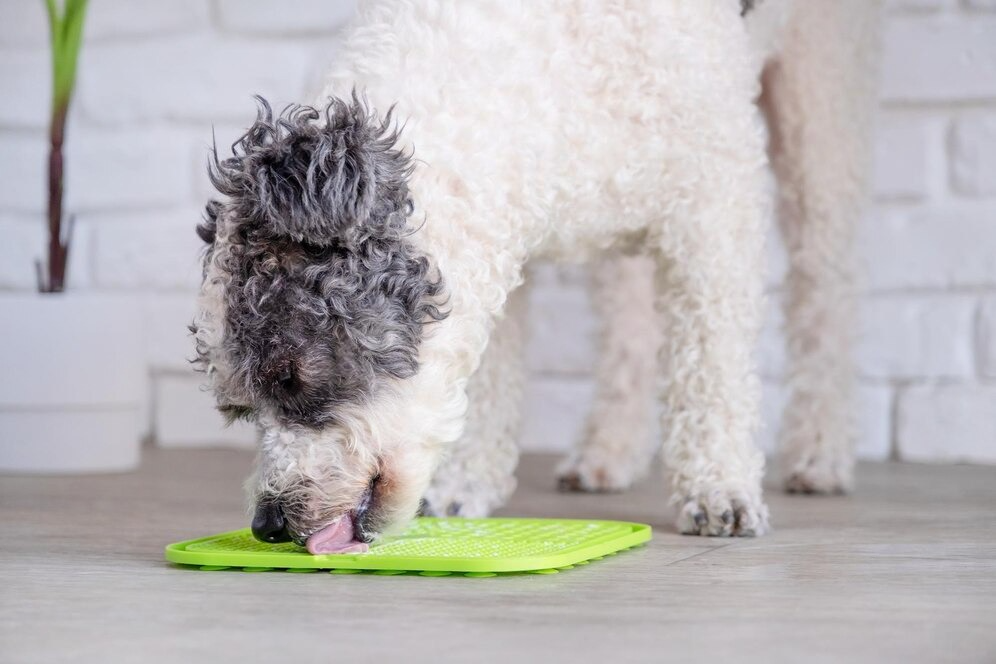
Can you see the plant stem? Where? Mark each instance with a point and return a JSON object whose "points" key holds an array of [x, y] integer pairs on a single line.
{"points": [[66, 28], [57, 247]]}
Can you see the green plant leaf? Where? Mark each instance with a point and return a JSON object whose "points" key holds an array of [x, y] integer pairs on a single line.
{"points": [[66, 27]]}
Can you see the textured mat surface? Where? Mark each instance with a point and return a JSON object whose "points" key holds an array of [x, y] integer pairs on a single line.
{"points": [[431, 546]]}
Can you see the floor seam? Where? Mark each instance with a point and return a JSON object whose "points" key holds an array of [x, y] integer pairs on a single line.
{"points": [[699, 554]]}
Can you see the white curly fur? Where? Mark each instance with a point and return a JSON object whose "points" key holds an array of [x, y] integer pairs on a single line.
{"points": [[818, 94], [606, 121], [567, 129]]}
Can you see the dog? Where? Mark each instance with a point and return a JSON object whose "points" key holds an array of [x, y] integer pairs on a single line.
{"points": [[362, 299]]}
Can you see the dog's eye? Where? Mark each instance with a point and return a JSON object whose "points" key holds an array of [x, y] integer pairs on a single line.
{"points": [[233, 412]]}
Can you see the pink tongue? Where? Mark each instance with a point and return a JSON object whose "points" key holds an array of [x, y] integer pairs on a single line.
{"points": [[337, 537]]}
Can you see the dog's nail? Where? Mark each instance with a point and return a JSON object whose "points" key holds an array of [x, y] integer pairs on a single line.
{"points": [[569, 482], [701, 519], [727, 517]]}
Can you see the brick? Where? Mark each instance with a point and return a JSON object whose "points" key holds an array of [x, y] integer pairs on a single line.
{"points": [[23, 171], [917, 336], [939, 58], [185, 416], [947, 423], [265, 17], [158, 251], [555, 411], [107, 19], [26, 77], [901, 159], [168, 344], [928, 248], [562, 330], [201, 78], [873, 422], [973, 155], [986, 337], [79, 275], [113, 169], [23, 23], [918, 5]]}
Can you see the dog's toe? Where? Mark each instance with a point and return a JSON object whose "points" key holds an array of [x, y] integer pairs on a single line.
{"points": [[723, 513]]}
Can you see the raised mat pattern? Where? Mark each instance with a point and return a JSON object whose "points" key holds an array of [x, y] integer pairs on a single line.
{"points": [[482, 547]]}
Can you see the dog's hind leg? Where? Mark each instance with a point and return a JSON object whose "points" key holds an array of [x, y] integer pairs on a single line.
{"points": [[819, 97], [478, 474], [618, 442]]}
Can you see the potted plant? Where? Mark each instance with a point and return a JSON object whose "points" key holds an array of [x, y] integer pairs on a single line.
{"points": [[72, 366]]}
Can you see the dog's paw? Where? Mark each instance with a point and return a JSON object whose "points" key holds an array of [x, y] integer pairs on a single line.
{"points": [[594, 474], [723, 512], [819, 475]]}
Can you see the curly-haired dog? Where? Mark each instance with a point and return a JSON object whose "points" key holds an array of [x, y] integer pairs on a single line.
{"points": [[363, 307]]}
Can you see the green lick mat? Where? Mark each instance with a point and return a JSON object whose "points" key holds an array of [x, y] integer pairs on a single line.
{"points": [[431, 546]]}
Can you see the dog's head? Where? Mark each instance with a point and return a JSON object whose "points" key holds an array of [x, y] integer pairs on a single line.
{"points": [[312, 309]]}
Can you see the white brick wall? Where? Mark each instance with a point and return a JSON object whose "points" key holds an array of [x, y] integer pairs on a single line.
{"points": [[973, 155], [155, 77]]}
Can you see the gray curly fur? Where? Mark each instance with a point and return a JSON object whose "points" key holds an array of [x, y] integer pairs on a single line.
{"points": [[326, 293]]}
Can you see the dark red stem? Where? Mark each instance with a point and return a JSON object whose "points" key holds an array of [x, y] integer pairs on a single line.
{"points": [[58, 250]]}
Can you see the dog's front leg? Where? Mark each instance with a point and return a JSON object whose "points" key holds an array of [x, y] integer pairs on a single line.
{"points": [[710, 295], [710, 308]]}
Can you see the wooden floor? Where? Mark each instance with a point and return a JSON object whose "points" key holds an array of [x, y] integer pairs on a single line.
{"points": [[904, 571]]}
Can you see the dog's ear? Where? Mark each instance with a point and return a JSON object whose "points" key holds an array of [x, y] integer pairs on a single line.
{"points": [[331, 177]]}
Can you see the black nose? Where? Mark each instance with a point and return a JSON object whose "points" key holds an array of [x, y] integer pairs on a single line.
{"points": [[268, 524]]}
